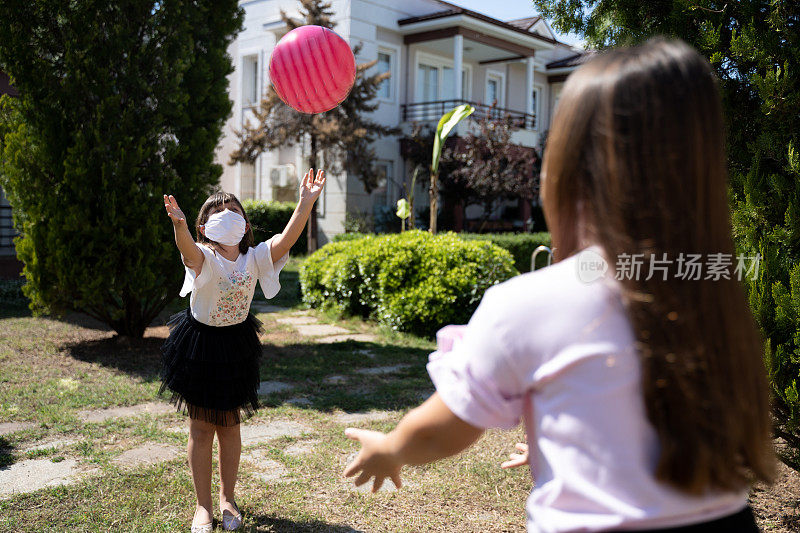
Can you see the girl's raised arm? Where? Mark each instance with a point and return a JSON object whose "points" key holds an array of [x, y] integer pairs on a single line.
{"points": [[310, 189], [190, 253]]}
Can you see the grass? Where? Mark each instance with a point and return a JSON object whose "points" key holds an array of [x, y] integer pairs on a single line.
{"points": [[51, 369]]}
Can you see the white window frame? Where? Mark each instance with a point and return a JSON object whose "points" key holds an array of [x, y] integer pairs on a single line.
{"points": [[537, 109], [440, 62], [500, 78], [245, 55], [387, 194], [394, 63]]}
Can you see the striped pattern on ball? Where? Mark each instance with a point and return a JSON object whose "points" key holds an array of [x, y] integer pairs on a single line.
{"points": [[312, 69]]}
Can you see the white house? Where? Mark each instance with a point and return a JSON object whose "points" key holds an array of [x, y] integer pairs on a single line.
{"points": [[519, 64]]}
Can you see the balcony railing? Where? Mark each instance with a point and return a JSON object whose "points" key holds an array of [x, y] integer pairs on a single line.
{"points": [[7, 231], [424, 111]]}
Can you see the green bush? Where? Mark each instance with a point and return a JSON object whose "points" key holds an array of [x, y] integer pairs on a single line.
{"points": [[341, 237], [270, 218], [11, 292], [520, 245], [413, 281]]}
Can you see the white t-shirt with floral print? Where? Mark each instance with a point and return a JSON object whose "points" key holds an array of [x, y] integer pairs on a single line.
{"points": [[222, 293]]}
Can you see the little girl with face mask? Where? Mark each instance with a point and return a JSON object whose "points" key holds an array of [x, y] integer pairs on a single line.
{"points": [[211, 358]]}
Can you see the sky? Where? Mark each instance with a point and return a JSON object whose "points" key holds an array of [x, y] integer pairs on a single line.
{"points": [[509, 10]]}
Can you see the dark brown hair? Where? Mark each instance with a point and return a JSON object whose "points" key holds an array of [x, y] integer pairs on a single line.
{"points": [[219, 199], [637, 142]]}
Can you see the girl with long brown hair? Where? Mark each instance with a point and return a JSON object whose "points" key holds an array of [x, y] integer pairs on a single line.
{"points": [[638, 375]]}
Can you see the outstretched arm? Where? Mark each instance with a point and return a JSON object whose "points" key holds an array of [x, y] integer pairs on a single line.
{"points": [[191, 254], [310, 189], [426, 434]]}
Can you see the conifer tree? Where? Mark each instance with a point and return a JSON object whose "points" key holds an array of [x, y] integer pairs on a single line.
{"points": [[344, 133], [119, 102]]}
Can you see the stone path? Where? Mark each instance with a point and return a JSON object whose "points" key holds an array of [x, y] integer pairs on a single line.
{"points": [[381, 370], [51, 444], [264, 468], [7, 428], [301, 448], [266, 431], [271, 387], [308, 326], [147, 455], [360, 418], [101, 415], [35, 474]]}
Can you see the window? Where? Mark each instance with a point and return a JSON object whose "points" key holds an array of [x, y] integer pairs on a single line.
{"points": [[536, 105], [386, 64], [448, 92], [250, 81], [382, 192], [491, 91], [495, 91], [427, 83], [436, 79], [247, 181]]}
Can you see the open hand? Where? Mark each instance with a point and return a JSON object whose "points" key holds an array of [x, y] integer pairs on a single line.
{"points": [[374, 459], [517, 459], [311, 186], [173, 211]]}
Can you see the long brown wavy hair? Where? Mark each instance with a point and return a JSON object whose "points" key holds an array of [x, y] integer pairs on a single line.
{"points": [[635, 161]]}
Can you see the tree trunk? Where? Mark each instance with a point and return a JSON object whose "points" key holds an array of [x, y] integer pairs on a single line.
{"points": [[434, 190], [312, 220]]}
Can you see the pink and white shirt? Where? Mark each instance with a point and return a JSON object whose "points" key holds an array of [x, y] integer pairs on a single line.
{"points": [[223, 291], [558, 353]]}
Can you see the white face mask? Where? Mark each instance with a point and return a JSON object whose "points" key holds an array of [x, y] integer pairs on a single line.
{"points": [[226, 227]]}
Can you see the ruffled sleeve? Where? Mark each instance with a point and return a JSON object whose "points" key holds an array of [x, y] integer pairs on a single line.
{"points": [[192, 281], [267, 269], [473, 372]]}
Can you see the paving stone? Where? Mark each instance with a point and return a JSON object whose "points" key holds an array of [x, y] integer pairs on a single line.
{"points": [[6, 428], [35, 474], [334, 380], [266, 469], [357, 337], [300, 402], [57, 443], [360, 418], [320, 330], [301, 447], [147, 455], [301, 320], [101, 415], [381, 370], [266, 388], [266, 431], [178, 429]]}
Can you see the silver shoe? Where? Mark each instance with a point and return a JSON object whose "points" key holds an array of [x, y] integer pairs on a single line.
{"points": [[205, 528], [232, 522]]}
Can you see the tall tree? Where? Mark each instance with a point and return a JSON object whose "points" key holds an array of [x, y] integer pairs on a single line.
{"points": [[754, 46], [493, 169], [119, 102], [344, 133]]}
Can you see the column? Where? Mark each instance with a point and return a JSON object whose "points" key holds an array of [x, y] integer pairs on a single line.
{"points": [[458, 60]]}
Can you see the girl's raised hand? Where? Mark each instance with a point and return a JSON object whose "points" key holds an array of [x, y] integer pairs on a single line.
{"points": [[173, 211], [374, 459], [517, 459], [311, 186]]}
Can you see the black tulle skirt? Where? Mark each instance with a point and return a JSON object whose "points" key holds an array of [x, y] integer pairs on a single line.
{"points": [[212, 371]]}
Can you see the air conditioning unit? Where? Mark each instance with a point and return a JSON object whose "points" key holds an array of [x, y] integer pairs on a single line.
{"points": [[283, 176]]}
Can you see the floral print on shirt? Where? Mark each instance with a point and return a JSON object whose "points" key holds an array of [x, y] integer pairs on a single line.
{"points": [[234, 301]]}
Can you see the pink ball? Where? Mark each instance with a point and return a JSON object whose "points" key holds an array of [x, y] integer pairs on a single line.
{"points": [[312, 69]]}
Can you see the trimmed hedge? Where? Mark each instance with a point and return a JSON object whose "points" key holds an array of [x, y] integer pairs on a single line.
{"points": [[270, 218], [412, 281], [521, 245]]}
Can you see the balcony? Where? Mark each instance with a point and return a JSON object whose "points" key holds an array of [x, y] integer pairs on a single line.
{"points": [[433, 111]]}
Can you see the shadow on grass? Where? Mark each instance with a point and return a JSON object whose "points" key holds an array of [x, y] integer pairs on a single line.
{"points": [[327, 376], [137, 357], [275, 523], [5, 453], [14, 310]]}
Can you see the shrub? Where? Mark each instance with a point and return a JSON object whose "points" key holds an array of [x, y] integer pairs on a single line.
{"points": [[348, 236], [413, 281], [520, 245], [270, 218], [11, 292]]}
